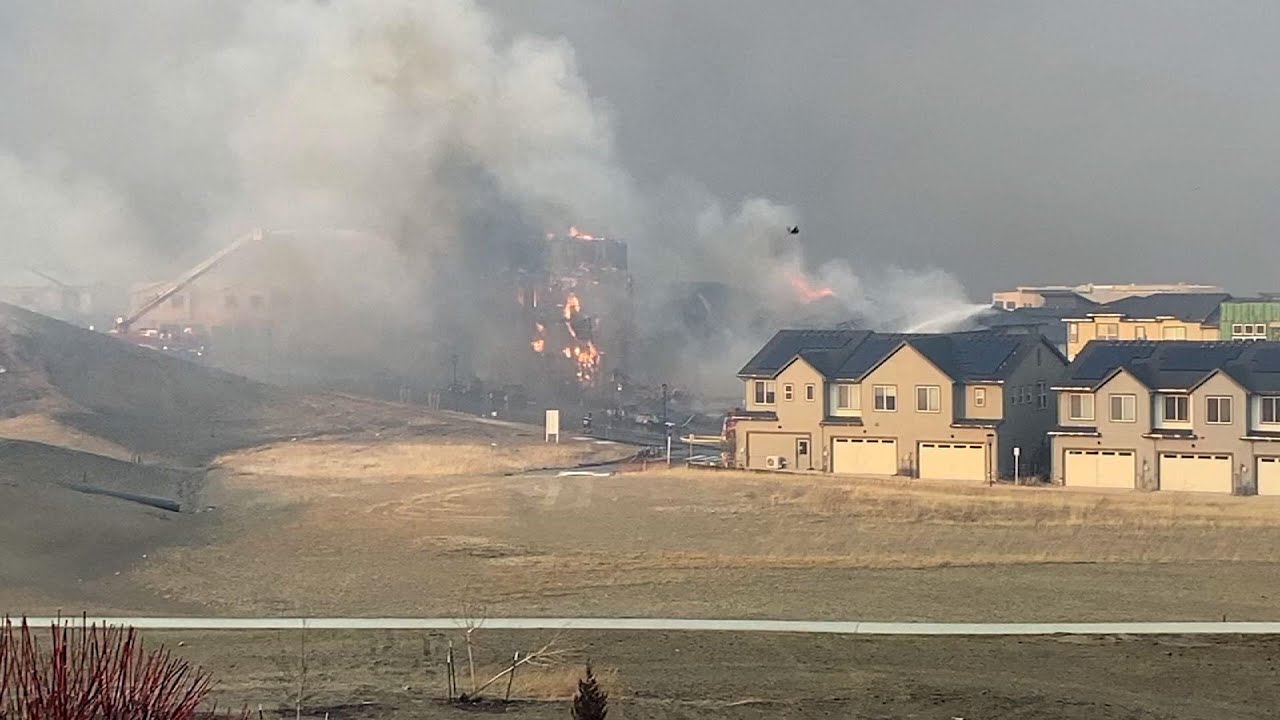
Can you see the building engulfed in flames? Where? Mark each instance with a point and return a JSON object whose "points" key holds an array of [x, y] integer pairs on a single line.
{"points": [[573, 298]]}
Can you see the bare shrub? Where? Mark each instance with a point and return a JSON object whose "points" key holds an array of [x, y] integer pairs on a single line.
{"points": [[95, 673]]}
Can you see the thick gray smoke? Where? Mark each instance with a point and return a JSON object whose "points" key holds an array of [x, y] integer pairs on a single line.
{"points": [[155, 136]]}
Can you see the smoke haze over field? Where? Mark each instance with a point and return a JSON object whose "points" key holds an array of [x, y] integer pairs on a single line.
{"points": [[1004, 143]]}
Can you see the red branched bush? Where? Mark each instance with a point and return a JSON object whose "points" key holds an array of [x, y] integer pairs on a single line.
{"points": [[94, 673]]}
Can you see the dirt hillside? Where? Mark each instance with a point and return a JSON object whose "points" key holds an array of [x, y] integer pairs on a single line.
{"points": [[69, 386]]}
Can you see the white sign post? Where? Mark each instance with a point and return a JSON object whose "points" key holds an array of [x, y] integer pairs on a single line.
{"points": [[1017, 453], [553, 426]]}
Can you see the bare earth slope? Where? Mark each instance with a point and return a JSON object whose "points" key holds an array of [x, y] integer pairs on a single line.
{"points": [[105, 393]]}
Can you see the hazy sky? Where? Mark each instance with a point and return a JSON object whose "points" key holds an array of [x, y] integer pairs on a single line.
{"points": [[1004, 142], [1009, 142]]}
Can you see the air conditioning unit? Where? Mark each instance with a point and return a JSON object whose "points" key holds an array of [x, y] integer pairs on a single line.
{"points": [[775, 462]]}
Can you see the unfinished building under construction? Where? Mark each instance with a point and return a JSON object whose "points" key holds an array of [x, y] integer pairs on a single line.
{"points": [[571, 298]]}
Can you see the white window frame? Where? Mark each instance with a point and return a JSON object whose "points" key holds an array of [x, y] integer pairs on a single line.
{"points": [[1042, 395], [810, 392], [979, 397], [1274, 402], [1131, 406], [788, 392], [765, 392], [1073, 332], [1220, 401], [1086, 406], [1237, 330], [1166, 332], [1140, 332], [1108, 336], [932, 398], [884, 397], [1164, 409]]}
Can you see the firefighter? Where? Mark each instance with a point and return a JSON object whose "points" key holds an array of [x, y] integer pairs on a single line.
{"points": [[586, 422]]}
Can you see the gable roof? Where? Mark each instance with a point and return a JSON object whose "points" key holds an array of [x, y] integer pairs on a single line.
{"points": [[785, 345], [1188, 307], [974, 356], [1178, 364]]}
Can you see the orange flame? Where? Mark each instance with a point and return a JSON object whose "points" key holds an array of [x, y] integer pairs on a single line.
{"points": [[539, 345], [572, 306], [576, 233], [806, 291]]}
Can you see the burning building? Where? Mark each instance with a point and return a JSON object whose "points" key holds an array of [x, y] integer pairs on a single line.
{"points": [[573, 302]]}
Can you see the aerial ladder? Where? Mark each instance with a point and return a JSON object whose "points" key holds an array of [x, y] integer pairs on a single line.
{"points": [[125, 324]]}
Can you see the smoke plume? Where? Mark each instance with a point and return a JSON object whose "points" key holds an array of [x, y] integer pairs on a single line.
{"points": [[180, 125]]}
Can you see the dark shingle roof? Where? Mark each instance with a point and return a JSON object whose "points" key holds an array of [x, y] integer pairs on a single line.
{"points": [[783, 347], [975, 356], [1178, 364], [1188, 307]]}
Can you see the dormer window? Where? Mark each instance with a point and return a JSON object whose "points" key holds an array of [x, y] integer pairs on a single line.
{"points": [[1176, 408], [766, 392]]}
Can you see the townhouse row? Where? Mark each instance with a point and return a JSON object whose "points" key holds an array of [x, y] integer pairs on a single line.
{"points": [[989, 405]]}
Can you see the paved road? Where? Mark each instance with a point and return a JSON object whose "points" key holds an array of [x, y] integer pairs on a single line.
{"points": [[672, 624]]}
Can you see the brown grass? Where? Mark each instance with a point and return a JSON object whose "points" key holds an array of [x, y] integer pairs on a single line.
{"points": [[419, 527], [326, 459]]}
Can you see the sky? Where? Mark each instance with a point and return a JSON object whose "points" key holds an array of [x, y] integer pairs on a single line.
{"points": [[1006, 142], [945, 147]]}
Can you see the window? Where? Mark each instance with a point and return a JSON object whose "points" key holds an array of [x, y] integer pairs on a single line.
{"points": [[788, 392], [1026, 394], [1218, 411], [1173, 333], [1073, 332], [928, 398], [765, 392], [802, 447], [1176, 408], [979, 397], [1108, 331], [1249, 331], [809, 392], [1124, 408], [1080, 406], [1140, 333], [1270, 410], [886, 398], [848, 397], [1042, 395]]}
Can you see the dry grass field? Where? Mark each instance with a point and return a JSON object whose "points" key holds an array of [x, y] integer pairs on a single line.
{"points": [[421, 526], [390, 675]]}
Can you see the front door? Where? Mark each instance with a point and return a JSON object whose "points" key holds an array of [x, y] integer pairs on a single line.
{"points": [[802, 454]]}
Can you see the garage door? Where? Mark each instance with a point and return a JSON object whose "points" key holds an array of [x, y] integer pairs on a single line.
{"points": [[1099, 469], [953, 461], [864, 456], [1192, 472], [1269, 476]]}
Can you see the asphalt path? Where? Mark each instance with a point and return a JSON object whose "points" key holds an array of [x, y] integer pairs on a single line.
{"points": [[679, 624]]}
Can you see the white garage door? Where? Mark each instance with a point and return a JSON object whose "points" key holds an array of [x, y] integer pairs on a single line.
{"points": [[1269, 476], [953, 461], [1099, 469], [864, 456], [1191, 472]]}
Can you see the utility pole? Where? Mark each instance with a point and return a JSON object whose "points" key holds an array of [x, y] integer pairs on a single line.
{"points": [[453, 360], [664, 404]]}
